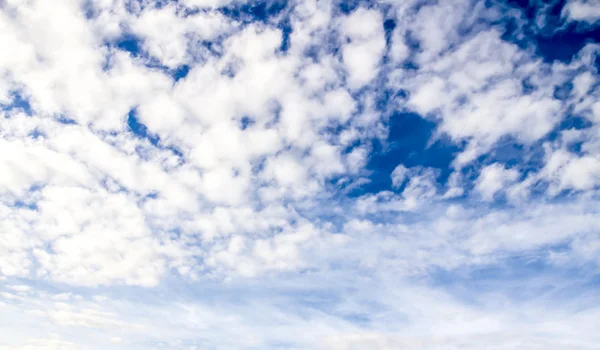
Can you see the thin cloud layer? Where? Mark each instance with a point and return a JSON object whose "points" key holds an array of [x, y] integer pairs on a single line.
{"points": [[315, 174]]}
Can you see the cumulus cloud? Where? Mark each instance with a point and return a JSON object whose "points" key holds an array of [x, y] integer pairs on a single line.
{"points": [[494, 178], [582, 11], [361, 55]]}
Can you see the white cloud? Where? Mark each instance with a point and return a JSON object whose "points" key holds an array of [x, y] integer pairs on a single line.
{"points": [[436, 26], [565, 170], [582, 11], [493, 179], [168, 36], [473, 86], [254, 179], [364, 30], [206, 3], [400, 313], [476, 90], [19, 288], [96, 238], [420, 185], [49, 344]]}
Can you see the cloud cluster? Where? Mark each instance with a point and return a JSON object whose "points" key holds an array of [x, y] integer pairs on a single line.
{"points": [[581, 11], [149, 143]]}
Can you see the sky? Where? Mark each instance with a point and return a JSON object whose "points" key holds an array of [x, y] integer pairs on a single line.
{"points": [[311, 174]]}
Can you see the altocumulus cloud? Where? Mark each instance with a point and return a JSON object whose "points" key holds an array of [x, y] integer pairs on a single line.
{"points": [[215, 174]]}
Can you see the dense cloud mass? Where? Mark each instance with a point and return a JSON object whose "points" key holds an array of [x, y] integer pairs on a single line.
{"points": [[217, 174]]}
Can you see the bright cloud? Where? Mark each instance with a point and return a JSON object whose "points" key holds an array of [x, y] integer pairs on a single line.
{"points": [[582, 10]]}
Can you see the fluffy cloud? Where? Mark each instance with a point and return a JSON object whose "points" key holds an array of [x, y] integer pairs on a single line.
{"points": [[494, 178], [361, 55], [582, 11]]}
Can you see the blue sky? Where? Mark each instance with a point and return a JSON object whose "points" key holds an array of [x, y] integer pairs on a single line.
{"points": [[218, 174]]}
